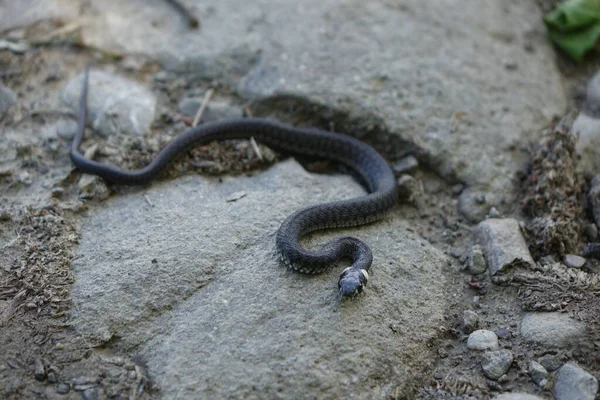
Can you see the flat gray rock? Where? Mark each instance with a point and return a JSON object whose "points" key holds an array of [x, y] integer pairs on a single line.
{"points": [[574, 383], [503, 244], [115, 104], [441, 79], [192, 284], [551, 328]]}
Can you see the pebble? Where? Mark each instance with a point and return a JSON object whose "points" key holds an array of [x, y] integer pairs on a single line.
{"points": [[66, 128], [496, 363], [476, 262], [503, 333], [551, 328], [408, 187], [482, 340], [63, 388], [457, 189], [214, 111], [405, 165], [517, 396], [494, 213], [470, 321], [90, 394], [574, 261], [550, 362], [537, 372], [7, 99], [39, 370], [574, 383], [591, 232], [503, 244]]}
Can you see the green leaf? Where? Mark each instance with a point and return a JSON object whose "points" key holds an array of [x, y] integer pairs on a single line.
{"points": [[574, 26]]}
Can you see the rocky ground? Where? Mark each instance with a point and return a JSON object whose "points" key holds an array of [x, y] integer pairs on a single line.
{"points": [[485, 280]]}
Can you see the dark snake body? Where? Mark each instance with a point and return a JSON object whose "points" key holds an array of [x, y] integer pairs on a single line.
{"points": [[363, 159]]}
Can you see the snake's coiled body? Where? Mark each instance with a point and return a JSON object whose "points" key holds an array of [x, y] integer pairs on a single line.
{"points": [[363, 159]]}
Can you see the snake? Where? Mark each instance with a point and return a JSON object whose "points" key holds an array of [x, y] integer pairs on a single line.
{"points": [[371, 169]]}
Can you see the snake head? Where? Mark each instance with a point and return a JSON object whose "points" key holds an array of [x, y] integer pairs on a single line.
{"points": [[352, 281]]}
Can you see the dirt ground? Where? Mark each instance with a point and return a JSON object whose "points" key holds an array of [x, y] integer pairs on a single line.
{"points": [[42, 204]]}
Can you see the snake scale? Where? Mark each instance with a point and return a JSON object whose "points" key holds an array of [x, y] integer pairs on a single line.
{"points": [[373, 170]]}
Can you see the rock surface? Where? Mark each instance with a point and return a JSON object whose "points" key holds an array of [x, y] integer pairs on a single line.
{"points": [[194, 285], [574, 383], [451, 93], [503, 244], [115, 104], [551, 329]]}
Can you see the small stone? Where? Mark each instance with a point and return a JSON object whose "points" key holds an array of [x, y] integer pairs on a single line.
{"points": [[537, 372], [59, 346], [52, 378], [470, 321], [235, 196], [63, 388], [482, 340], [503, 333], [574, 383], [573, 261], [494, 213], [517, 396], [132, 375], [477, 264], [39, 370], [82, 388], [82, 380], [7, 99], [66, 128], [457, 189], [503, 244], [496, 363], [90, 394], [408, 187], [405, 165], [550, 362], [551, 328], [591, 232]]}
